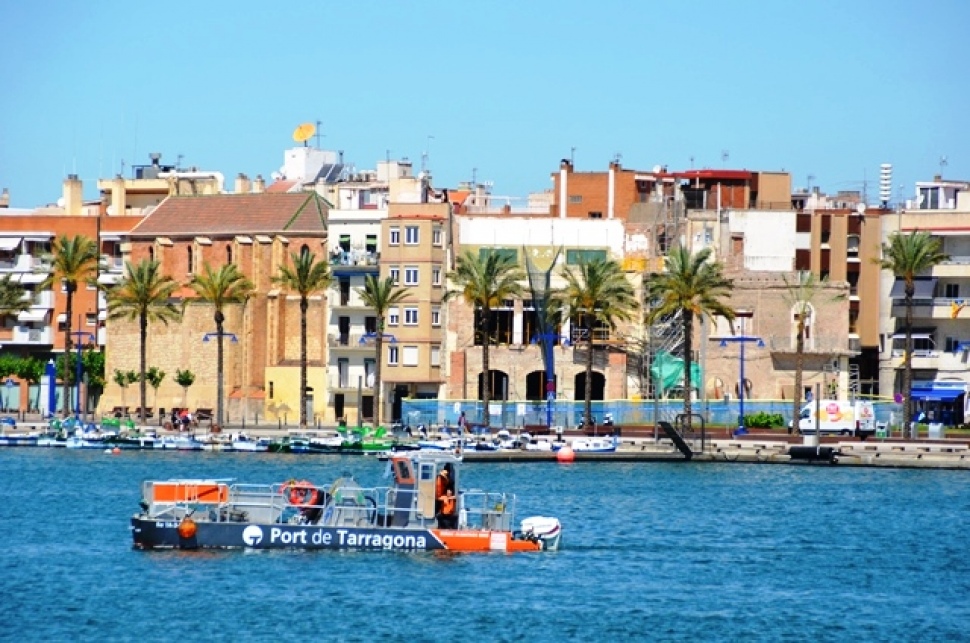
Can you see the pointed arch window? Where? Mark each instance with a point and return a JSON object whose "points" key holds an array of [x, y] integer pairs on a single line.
{"points": [[228, 253], [808, 311]]}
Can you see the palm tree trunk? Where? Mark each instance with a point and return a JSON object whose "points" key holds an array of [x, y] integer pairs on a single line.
{"points": [[69, 313], [688, 347], [588, 393], [908, 366], [304, 304], [799, 367], [379, 344], [486, 379], [219, 318], [143, 359]]}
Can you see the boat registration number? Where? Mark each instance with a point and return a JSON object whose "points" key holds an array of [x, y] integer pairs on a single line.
{"points": [[166, 525]]}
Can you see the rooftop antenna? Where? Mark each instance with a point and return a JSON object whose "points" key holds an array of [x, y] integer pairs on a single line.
{"points": [[318, 123], [692, 161], [572, 156], [427, 153], [725, 155], [178, 161], [617, 157], [943, 164], [474, 175], [811, 177]]}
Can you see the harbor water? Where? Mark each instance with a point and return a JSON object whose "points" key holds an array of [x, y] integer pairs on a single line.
{"points": [[651, 552]]}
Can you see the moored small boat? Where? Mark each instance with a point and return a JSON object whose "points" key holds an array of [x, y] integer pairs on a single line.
{"points": [[406, 516]]}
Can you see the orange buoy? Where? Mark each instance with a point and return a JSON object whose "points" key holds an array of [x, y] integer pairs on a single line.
{"points": [[187, 528], [566, 454], [116, 451]]}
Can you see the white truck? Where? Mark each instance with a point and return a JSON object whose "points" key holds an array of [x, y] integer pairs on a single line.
{"points": [[837, 417]]}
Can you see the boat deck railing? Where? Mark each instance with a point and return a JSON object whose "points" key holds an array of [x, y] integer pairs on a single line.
{"points": [[336, 506]]}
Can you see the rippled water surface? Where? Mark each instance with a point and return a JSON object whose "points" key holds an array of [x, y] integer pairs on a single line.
{"points": [[651, 551]]}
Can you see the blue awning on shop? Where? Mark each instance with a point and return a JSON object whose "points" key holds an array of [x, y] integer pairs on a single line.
{"points": [[937, 394]]}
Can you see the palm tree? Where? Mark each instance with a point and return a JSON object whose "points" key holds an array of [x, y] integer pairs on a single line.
{"points": [[484, 281], [380, 295], [13, 297], [145, 295], [906, 256], [306, 277], [693, 286], [800, 293], [75, 260], [220, 288], [597, 294]]}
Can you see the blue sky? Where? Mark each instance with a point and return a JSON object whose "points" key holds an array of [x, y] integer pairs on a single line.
{"points": [[829, 88]]}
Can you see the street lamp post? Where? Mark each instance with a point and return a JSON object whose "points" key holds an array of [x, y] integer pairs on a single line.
{"points": [[79, 336], [219, 379], [547, 342], [742, 339]]}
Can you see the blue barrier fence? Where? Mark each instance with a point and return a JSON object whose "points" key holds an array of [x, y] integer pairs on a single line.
{"points": [[624, 412]]}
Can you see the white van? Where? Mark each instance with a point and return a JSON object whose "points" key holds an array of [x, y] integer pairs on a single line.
{"points": [[838, 417]]}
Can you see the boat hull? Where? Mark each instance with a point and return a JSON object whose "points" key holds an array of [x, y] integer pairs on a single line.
{"points": [[151, 533]]}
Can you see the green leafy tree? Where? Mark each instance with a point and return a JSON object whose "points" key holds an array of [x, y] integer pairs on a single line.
{"points": [[306, 276], [145, 296], [155, 376], [124, 379], [31, 370], [74, 261], [694, 286], [483, 281], [380, 295], [221, 287], [185, 379], [597, 294], [906, 256], [93, 362]]}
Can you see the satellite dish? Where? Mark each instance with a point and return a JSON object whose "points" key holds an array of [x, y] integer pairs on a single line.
{"points": [[303, 132], [861, 209], [657, 169], [61, 202], [110, 210]]}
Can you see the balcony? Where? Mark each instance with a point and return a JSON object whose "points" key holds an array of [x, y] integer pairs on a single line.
{"points": [[930, 359], [112, 263], [344, 382], [935, 308], [30, 336], [350, 341], [24, 263]]}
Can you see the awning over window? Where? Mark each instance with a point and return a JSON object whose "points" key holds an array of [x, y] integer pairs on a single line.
{"points": [[918, 333], [32, 316], [924, 288], [9, 243], [32, 277], [937, 394]]}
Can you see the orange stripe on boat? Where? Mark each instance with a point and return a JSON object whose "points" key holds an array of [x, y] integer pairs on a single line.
{"points": [[206, 492], [471, 540]]}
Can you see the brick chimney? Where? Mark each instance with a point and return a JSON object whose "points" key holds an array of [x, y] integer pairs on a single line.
{"points": [[242, 184], [5, 198]]}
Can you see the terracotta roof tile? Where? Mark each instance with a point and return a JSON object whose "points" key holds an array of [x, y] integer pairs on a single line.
{"points": [[280, 186], [231, 214]]}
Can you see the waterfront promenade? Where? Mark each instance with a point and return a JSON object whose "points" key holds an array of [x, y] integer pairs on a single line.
{"points": [[638, 444]]}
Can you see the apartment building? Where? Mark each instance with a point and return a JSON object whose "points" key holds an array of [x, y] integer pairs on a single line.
{"points": [[941, 320], [26, 242], [415, 254]]}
